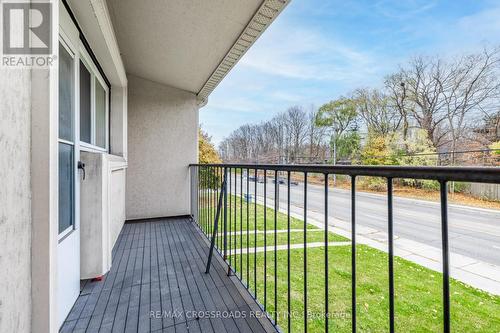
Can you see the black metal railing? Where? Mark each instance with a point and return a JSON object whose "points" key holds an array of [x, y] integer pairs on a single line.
{"points": [[225, 207]]}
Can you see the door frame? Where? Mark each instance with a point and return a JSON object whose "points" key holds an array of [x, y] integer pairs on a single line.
{"points": [[68, 241]]}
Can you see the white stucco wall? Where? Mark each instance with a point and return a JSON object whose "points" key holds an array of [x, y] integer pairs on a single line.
{"points": [[162, 142], [15, 200]]}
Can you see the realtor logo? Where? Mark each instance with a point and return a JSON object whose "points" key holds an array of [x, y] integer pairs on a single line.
{"points": [[27, 33]]}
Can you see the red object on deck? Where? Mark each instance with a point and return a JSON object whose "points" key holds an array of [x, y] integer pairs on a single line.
{"points": [[98, 278]]}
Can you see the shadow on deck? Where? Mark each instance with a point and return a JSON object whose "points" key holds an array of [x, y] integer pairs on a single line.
{"points": [[157, 284]]}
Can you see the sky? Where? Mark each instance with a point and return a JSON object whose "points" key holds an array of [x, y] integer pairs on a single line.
{"points": [[319, 50]]}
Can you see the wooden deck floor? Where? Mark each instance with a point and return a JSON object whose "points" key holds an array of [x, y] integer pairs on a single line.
{"points": [[157, 284]]}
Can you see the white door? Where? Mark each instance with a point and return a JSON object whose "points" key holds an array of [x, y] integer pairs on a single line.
{"points": [[68, 249]]}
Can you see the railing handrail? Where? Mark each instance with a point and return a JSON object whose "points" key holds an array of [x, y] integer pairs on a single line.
{"points": [[440, 173], [204, 175]]}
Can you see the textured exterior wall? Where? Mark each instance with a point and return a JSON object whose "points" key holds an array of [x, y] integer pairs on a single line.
{"points": [[162, 142], [15, 200]]}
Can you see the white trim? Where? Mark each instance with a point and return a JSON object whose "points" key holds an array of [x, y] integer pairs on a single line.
{"points": [[265, 15], [101, 13], [91, 148], [65, 41], [66, 142], [68, 240], [84, 59], [95, 75], [106, 111], [65, 233]]}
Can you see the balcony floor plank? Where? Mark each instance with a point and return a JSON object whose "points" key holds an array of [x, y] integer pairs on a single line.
{"points": [[156, 282]]}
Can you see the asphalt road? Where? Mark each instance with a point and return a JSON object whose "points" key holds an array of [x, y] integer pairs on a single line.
{"points": [[473, 232]]}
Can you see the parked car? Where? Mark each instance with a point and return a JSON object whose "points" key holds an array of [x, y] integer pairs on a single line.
{"points": [[284, 181], [281, 181]]}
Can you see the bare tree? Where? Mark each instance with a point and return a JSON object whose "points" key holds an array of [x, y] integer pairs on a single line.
{"points": [[377, 111], [425, 105], [316, 134], [396, 91], [296, 121], [285, 138], [473, 82], [440, 95]]}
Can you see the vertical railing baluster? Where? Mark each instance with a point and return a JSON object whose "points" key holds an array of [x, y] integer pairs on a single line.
{"points": [[224, 234], [217, 173], [241, 223], [205, 201], [235, 221], [276, 207], [289, 306], [353, 253], [255, 236], [213, 195], [205, 173], [248, 232], [446, 256], [326, 253], [200, 208], [230, 221], [215, 190], [391, 252], [221, 244], [198, 182], [305, 251], [209, 169], [265, 240]]}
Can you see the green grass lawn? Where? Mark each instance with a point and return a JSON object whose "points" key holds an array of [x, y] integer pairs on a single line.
{"points": [[418, 293], [418, 290], [282, 239], [239, 210], [237, 241]]}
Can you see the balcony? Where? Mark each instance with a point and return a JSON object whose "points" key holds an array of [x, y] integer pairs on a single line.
{"points": [[245, 261]]}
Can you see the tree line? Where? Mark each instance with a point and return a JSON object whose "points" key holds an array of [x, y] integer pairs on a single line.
{"points": [[430, 104]]}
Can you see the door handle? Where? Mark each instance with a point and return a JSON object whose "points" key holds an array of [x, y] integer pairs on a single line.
{"points": [[81, 166]]}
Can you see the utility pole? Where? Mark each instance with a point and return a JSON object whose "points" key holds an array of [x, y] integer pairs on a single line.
{"points": [[335, 157]]}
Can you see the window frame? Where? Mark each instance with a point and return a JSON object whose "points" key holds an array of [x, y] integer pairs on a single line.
{"points": [[95, 75], [64, 41]]}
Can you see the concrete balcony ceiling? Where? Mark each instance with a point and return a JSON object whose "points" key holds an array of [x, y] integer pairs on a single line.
{"points": [[188, 44]]}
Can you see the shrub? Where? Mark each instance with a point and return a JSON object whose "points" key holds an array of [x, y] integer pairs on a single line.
{"points": [[378, 151], [373, 183], [495, 145]]}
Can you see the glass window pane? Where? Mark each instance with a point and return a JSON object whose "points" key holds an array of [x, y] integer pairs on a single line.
{"points": [[66, 92], [85, 104], [66, 173], [100, 114]]}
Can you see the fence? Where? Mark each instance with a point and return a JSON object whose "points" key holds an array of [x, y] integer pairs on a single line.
{"points": [[227, 221]]}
